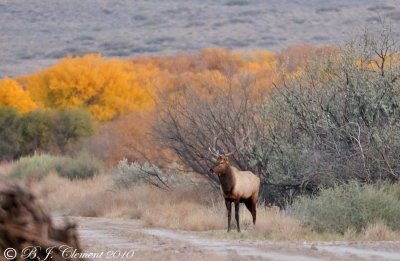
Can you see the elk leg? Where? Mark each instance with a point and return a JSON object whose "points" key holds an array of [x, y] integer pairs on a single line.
{"points": [[237, 202], [248, 202], [228, 208], [254, 209], [254, 213]]}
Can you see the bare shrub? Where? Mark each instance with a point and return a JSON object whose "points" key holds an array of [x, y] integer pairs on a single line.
{"points": [[129, 174], [129, 137], [334, 121], [190, 121]]}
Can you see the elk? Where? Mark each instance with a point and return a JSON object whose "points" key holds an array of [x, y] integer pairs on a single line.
{"points": [[236, 186]]}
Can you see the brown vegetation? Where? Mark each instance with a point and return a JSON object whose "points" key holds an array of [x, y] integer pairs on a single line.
{"points": [[98, 197], [129, 136]]}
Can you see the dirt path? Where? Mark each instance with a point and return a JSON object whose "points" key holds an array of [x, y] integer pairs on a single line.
{"points": [[126, 239]]}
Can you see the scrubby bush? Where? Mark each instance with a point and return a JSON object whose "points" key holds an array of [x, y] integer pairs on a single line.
{"points": [[81, 166], [68, 127], [334, 121], [9, 134], [351, 206], [37, 165], [35, 131], [395, 190], [127, 173], [42, 130]]}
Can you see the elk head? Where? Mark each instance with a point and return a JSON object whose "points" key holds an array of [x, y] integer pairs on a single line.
{"points": [[222, 165], [222, 160]]}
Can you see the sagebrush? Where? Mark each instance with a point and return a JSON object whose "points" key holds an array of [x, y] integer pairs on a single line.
{"points": [[350, 207], [37, 166]]}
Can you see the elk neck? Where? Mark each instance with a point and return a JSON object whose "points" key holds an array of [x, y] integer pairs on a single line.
{"points": [[227, 180]]}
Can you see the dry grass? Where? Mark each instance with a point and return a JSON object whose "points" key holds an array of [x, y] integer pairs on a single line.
{"points": [[97, 197], [272, 223], [5, 167], [275, 224], [379, 231], [189, 209]]}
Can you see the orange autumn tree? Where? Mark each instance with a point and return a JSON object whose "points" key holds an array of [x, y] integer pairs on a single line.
{"points": [[12, 95], [215, 68], [108, 88]]}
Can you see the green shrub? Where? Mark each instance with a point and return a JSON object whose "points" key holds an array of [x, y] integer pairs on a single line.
{"points": [[9, 133], [37, 165], [52, 131], [81, 166], [35, 131], [395, 190], [68, 127], [351, 206]]}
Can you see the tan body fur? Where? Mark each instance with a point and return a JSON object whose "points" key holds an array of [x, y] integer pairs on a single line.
{"points": [[246, 184]]}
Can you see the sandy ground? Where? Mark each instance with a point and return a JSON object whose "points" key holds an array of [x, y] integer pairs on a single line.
{"points": [[127, 239]]}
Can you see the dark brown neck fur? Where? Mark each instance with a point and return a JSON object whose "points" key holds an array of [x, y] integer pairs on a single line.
{"points": [[227, 180]]}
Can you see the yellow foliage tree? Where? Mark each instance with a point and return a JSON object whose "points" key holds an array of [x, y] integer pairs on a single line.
{"points": [[12, 95], [107, 87], [111, 87]]}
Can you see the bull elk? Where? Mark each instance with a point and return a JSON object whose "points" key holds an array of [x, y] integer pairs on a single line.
{"points": [[236, 186]]}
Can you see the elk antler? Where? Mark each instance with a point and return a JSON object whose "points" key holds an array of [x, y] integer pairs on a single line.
{"points": [[216, 153], [212, 147], [237, 147]]}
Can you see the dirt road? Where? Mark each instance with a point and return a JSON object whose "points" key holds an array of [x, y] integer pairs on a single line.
{"points": [[126, 239]]}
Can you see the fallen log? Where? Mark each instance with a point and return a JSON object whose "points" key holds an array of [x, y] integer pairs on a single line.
{"points": [[29, 230]]}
